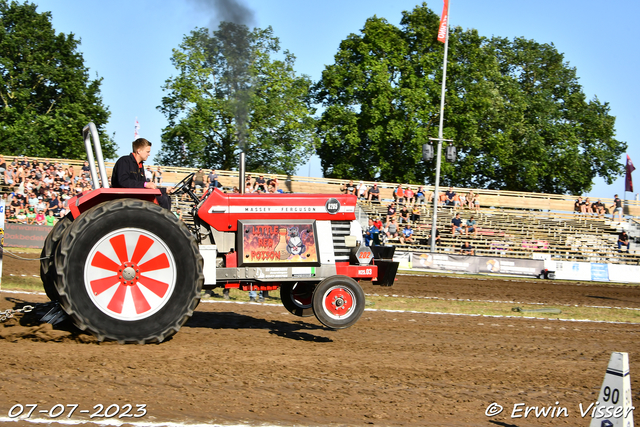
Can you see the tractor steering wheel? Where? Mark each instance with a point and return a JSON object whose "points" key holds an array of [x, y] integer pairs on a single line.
{"points": [[183, 185]]}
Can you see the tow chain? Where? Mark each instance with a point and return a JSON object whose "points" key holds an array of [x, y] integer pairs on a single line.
{"points": [[8, 313]]}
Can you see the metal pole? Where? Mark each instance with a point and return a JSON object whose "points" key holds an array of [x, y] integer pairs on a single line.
{"points": [[241, 173], [434, 217]]}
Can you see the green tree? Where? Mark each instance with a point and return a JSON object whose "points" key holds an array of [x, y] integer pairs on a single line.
{"points": [[515, 110], [231, 95], [46, 96]]}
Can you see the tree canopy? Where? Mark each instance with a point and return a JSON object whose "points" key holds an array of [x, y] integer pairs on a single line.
{"points": [[514, 108], [46, 95], [235, 91]]}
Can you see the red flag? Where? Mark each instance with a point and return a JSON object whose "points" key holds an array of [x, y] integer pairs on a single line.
{"points": [[444, 23], [628, 183]]}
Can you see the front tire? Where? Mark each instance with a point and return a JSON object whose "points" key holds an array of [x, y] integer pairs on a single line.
{"points": [[338, 302], [297, 298], [130, 271]]}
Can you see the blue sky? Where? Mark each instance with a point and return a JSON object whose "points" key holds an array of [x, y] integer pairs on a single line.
{"points": [[129, 43]]}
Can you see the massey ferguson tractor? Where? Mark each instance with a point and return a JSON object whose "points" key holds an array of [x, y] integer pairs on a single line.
{"points": [[125, 269]]}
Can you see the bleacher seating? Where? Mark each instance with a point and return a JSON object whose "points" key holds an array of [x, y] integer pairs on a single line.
{"points": [[514, 224]]}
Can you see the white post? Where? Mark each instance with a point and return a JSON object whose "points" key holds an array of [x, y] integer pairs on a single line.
{"points": [[436, 190]]}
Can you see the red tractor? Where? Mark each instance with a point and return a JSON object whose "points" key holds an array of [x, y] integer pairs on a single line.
{"points": [[125, 269]]}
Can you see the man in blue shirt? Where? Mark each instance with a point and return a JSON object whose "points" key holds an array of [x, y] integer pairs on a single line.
{"points": [[456, 225], [372, 234]]}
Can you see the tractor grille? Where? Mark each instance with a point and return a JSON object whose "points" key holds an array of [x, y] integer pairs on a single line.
{"points": [[340, 229]]}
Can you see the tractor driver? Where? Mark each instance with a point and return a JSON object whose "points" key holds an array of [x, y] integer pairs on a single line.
{"points": [[128, 172]]}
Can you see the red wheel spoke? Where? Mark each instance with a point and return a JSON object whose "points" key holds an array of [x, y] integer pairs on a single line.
{"points": [[155, 286], [157, 263], [101, 285], [143, 245], [117, 300], [100, 260], [120, 247], [139, 300]]}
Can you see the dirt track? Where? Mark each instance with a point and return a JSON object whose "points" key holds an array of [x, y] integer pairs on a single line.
{"points": [[254, 363]]}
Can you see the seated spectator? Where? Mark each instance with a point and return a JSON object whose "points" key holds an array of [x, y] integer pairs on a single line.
{"points": [[587, 206], [275, 184], [3, 164], [212, 179], [404, 214], [391, 212], [248, 189], [398, 194], [260, 185], [599, 208], [374, 193], [471, 227], [623, 240], [378, 223], [456, 225], [407, 234], [421, 196], [409, 195], [54, 204], [40, 218], [198, 179], [86, 170], [578, 206], [361, 190], [31, 215], [450, 196], [415, 213], [348, 188], [427, 241], [467, 249], [392, 229], [21, 217], [50, 218]]}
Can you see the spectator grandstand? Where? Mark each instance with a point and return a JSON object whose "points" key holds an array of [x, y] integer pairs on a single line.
{"points": [[510, 224]]}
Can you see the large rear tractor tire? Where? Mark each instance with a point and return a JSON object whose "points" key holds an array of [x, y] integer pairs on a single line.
{"points": [[297, 298], [130, 271], [47, 258], [338, 302]]}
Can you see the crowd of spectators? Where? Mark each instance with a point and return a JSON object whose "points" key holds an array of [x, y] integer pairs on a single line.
{"points": [[38, 192]]}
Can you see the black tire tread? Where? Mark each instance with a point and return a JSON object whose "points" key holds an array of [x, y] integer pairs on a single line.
{"points": [[71, 236]]}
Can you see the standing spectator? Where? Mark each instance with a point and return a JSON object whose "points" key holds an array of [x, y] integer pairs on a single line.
{"points": [[374, 193], [623, 240], [456, 225], [471, 227], [148, 174], [407, 234], [372, 234], [157, 176], [616, 209]]}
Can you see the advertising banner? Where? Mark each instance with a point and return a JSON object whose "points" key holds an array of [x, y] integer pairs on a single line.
{"points": [[624, 273], [269, 242], [404, 258], [25, 236], [567, 270], [514, 266], [599, 272], [429, 261]]}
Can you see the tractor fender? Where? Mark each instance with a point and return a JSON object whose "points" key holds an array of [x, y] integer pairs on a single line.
{"points": [[88, 199]]}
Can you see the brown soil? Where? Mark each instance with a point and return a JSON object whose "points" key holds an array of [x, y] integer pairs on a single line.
{"points": [[236, 363]]}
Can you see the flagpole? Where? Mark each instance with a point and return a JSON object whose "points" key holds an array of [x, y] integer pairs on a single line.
{"points": [[436, 189]]}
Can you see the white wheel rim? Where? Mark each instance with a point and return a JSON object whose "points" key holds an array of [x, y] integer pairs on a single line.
{"points": [[339, 302], [130, 274]]}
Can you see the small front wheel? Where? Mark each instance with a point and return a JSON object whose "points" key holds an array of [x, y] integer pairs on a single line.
{"points": [[297, 297], [338, 302]]}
